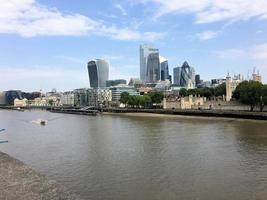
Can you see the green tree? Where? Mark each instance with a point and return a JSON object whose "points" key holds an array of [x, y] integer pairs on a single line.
{"points": [[263, 97], [192, 91], [183, 92], [156, 97], [249, 92], [208, 92], [124, 97], [220, 90], [50, 102]]}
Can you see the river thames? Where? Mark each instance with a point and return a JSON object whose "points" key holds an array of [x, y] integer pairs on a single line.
{"points": [[142, 157]]}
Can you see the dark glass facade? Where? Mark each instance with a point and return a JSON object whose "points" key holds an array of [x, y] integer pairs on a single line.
{"points": [[110, 83], [164, 70], [183, 74], [11, 95], [153, 68], [98, 71]]}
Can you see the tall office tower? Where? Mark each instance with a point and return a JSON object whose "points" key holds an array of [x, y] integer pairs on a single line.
{"points": [[177, 75], [153, 68], [98, 71], [164, 68], [187, 73], [197, 79], [145, 51]]}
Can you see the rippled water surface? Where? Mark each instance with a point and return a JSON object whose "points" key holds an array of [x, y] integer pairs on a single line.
{"points": [[134, 157]]}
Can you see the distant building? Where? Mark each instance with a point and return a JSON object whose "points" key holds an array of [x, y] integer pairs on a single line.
{"points": [[110, 83], [80, 97], [11, 95], [99, 97], [67, 99], [98, 71], [164, 69], [20, 102], [177, 75], [256, 76], [182, 74], [217, 82], [197, 79], [231, 84], [116, 92], [187, 72], [2, 98], [153, 68], [136, 82], [188, 102], [162, 85], [149, 61]]}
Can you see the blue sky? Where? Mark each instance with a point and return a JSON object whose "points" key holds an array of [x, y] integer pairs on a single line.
{"points": [[46, 44]]}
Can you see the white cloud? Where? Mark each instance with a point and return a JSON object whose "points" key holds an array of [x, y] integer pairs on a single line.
{"points": [[207, 11], [28, 19], [121, 9], [207, 35]]}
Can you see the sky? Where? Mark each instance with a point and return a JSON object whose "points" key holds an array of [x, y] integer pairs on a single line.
{"points": [[46, 44]]}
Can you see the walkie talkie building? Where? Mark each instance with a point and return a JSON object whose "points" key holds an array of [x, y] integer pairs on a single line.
{"points": [[98, 71]]}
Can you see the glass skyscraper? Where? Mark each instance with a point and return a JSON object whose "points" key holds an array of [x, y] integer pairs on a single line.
{"points": [[98, 71], [176, 75], [149, 63], [183, 74], [164, 69], [153, 68]]}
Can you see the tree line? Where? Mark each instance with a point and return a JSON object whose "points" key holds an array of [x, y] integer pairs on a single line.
{"points": [[251, 93], [207, 92], [146, 101]]}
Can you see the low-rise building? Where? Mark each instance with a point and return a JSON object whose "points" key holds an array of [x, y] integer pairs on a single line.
{"points": [[189, 102], [99, 97], [116, 92], [20, 102], [2, 98], [231, 84], [80, 97], [45, 101], [110, 83], [67, 98]]}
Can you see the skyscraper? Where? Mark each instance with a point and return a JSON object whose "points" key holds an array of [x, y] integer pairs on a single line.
{"points": [[182, 75], [197, 79], [145, 51], [98, 71], [164, 69], [176, 75], [153, 68], [187, 72]]}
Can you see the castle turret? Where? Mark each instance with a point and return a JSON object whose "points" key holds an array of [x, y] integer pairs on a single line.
{"points": [[229, 91]]}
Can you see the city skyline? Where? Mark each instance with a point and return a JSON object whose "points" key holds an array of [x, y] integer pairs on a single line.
{"points": [[47, 44]]}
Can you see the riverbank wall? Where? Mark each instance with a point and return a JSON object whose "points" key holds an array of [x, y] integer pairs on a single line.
{"points": [[203, 113], [20, 182]]}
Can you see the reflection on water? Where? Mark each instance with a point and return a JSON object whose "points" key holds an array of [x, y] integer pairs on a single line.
{"points": [[133, 157]]}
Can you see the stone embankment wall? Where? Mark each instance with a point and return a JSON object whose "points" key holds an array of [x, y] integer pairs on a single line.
{"points": [[194, 112]]}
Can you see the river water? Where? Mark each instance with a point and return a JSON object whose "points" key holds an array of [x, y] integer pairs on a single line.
{"points": [[141, 157]]}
